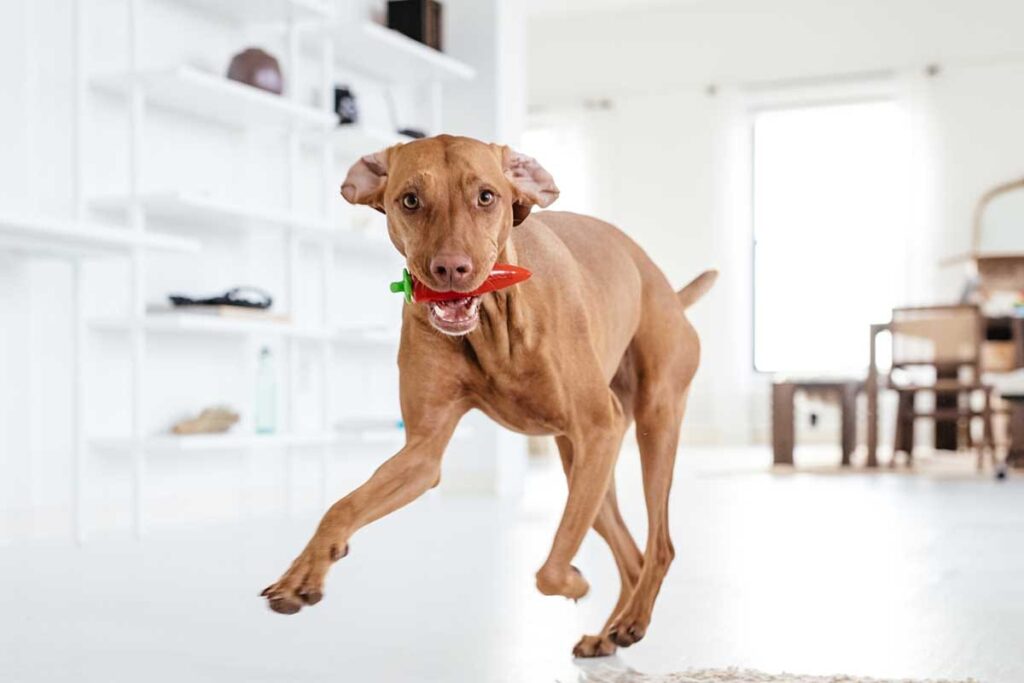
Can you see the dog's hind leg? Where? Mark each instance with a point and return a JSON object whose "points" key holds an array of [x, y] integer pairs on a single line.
{"points": [[657, 428], [612, 528]]}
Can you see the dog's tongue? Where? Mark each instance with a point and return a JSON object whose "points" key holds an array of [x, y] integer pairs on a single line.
{"points": [[502, 275]]}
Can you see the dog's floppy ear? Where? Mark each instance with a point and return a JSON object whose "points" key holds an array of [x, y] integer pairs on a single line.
{"points": [[532, 183], [367, 179]]}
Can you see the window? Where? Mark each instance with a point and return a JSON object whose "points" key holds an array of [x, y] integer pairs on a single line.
{"points": [[830, 210]]}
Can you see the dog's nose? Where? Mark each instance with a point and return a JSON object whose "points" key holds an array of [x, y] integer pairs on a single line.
{"points": [[451, 270]]}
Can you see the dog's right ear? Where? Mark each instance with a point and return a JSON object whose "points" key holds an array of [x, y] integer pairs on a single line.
{"points": [[367, 179]]}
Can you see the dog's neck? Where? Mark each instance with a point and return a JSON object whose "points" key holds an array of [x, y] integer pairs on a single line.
{"points": [[503, 329]]}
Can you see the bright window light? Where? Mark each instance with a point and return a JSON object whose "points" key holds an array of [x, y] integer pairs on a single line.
{"points": [[830, 211]]}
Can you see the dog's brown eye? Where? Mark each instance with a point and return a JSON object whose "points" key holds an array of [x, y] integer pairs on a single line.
{"points": [[410, 201], [486, 197]]}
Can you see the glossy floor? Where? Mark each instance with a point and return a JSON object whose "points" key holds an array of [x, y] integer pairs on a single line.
{"points": [[884, 575]]}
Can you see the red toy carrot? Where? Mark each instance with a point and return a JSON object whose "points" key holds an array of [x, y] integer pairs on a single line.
{"points": [[502, 275]]}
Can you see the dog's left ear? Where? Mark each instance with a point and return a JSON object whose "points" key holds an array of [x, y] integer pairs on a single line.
{"points": [[532, 183]]}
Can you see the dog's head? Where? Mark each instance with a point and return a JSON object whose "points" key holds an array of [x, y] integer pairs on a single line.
{"points": [[451, 204]]}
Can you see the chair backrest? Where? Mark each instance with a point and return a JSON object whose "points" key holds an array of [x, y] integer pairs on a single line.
{"points": [[941, 336]]}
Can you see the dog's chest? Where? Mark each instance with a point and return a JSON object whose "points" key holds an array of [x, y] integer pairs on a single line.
{"points": [[522, 394]]}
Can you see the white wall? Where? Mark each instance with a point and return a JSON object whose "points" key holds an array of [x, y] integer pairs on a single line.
{"points": [[679, 182]]}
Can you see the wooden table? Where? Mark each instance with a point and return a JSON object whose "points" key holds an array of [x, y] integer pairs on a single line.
{"points": [[783, 427]]}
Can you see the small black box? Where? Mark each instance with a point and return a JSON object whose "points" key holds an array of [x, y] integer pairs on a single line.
{"points": [[418, 19]]}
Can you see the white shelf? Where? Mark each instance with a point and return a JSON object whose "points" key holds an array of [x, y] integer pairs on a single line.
{"points": [[198, 323], [185, 210], [389, 56], [196, 210], [377, 429], [191, 91], [364, 431], [230, 441], [262, 11], [68, 238], [353, 141]]}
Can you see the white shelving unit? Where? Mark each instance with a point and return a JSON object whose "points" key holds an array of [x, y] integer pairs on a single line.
{"points": [[389, 56], [215, 98], [197, 211], [197, 323], [169, 444], [183, 209], [263, 11], [74, 239], [310, 28], [354, 141]]}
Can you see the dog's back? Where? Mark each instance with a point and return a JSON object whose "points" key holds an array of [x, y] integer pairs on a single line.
{"points": [[623, 289]]}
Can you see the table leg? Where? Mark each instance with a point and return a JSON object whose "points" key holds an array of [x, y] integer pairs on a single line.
{"points": [[1015, 456], [783, 431], [848, 407], [947, 432]]}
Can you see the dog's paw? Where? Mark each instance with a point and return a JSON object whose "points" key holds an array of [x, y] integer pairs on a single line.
{"points": [[303, 583], [594, 646], [569, 583], [627, 630]]}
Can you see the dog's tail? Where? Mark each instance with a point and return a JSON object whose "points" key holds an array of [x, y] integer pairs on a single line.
{"points": [[697, 288]]}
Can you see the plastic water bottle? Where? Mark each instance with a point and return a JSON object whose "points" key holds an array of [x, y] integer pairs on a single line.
{"points": [[265, 415]]}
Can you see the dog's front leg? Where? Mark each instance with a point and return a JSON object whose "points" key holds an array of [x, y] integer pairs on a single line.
{"points": [[595, 439], [403, 478]]}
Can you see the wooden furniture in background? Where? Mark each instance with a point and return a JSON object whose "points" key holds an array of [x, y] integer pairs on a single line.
{"points": [[995, 266], [1001, 328], [946, 340], [783, 428], [1015, 455]]}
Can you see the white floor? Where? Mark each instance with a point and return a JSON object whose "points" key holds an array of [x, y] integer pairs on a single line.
{"points": [[883, 575]]}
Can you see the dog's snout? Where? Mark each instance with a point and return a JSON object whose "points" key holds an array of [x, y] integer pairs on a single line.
{"points": [[451, 270]]}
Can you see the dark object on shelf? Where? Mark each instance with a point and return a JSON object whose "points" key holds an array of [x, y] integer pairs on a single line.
{"points": [[418, 19], [345, 105], [257, 68], [412, 133], [243, 297]]}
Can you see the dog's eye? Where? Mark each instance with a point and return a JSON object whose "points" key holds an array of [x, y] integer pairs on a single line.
{"points": [[486, 198], [410, 201]]}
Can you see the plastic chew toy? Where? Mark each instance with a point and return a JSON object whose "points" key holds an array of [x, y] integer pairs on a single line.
{"points": [[502, 275]]}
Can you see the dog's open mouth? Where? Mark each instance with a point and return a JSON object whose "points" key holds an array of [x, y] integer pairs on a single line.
{"points": [[455, 317]]}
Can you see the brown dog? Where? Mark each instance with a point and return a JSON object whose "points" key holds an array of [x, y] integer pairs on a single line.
{"points": [[594, 340]]}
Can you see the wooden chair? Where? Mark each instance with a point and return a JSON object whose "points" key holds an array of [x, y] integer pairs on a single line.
{"points": [[937, 350]]}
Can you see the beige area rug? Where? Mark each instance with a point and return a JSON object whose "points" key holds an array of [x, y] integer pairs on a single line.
{"points": [[614, 675]]}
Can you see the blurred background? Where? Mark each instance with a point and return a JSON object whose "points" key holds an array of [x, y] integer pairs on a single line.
{"points": [[197, 344]]}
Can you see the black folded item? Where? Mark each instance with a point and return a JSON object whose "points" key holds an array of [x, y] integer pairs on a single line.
{"points": [[243, 297]]}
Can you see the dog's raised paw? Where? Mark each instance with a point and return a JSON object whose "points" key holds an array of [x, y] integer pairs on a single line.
{"points": [[594, 646], [569, 584]]}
